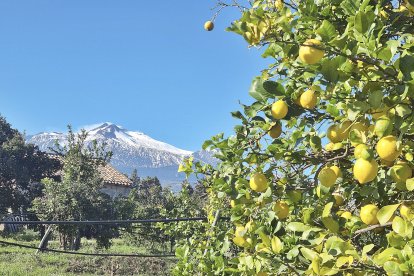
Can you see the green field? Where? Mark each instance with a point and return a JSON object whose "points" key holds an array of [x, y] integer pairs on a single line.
{"points": [[23, 261]]}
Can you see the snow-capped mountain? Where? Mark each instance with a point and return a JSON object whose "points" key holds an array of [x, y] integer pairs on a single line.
{"points": [[131, 149]]}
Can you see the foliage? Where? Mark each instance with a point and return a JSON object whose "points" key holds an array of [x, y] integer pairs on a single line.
{"points": [[22, 166], [364, 86], [148, 198], [151, 201], [78, 195]]}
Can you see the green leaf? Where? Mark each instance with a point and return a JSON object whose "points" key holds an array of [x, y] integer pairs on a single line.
{"points": [[335, 246], [392, 268], [330, 70], [274, 88], [386, 212], [399, 226], [407, 65], [297, 227], [327, 31], [327, 210], [331, 224], [264, 90], [367, 248], [277, 245], [403, 110], [308, 253], [375, 98], [361, 22], [350, 7], [386, 255]]}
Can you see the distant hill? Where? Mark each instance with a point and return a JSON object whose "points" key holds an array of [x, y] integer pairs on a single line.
{"points": [[132, 149]]}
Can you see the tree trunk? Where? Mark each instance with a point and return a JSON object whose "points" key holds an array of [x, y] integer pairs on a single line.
{"points": [[77, 241]]}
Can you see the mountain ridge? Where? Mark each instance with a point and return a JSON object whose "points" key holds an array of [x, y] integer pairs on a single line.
{"points": [[132, 150]]}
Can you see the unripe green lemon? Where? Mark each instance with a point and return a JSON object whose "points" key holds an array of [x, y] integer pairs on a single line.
{"points": [[309, 54], [327, 177], [368, 214], [387, 148], [339, 199], [400, 172], [365, 171], [275, 131], [258, 182], [333, 134], [279, 109], [281, 208], [383, 126]]}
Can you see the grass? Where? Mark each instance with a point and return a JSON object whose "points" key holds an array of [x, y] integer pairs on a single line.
{"points": [[15, 261]]}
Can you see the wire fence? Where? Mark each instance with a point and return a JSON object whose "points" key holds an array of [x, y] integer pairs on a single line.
{"points": [[100, 222], [106, 222], [88, 254]]}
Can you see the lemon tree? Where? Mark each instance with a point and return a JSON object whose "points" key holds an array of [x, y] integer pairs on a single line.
{"points": [[317, 178]]}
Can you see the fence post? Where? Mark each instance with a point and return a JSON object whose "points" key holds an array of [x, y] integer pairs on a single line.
{"points": [[216, 218], [45, 239]]}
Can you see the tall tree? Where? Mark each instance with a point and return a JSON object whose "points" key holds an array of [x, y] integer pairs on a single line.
{"points": [[22, 166], [341, 74], [78, 195]]}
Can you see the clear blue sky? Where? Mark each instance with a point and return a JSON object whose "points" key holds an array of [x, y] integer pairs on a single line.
{"points": [[145, 65]]}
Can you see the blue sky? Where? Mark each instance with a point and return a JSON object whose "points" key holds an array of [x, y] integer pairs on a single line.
{"points": [[145, 65]]}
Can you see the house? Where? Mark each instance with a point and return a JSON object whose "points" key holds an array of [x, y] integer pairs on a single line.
{"points": [[115, 183]]}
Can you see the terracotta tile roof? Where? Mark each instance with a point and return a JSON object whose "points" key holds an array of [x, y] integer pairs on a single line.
{"points": [[108, 173], [113, 177]]}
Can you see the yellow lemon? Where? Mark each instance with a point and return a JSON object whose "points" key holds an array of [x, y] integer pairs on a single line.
{"points": [[407, 212], [400, 172], [327, 177], [281, 208], [346, 215], [333, 134], [279, 109], [387, 148], [339, 199], [309, 54], [337, 171], [365, 171], [308, 99], [258, 182], [240, 241], [208, 26], [275, 131], [368, 214]]}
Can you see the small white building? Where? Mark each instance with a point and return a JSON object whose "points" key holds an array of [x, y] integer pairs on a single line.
{"points": [[115, 183]]}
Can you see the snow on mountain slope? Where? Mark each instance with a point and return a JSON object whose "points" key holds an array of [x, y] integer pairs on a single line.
{"points": [[131, 150]]}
